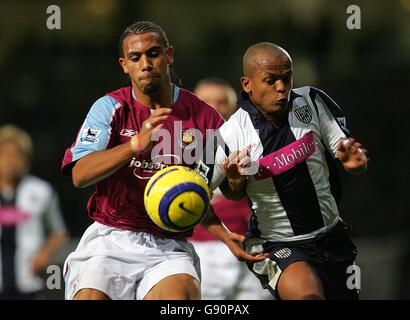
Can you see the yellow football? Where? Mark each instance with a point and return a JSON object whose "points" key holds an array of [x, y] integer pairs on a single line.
{"points": [[176, 198]]}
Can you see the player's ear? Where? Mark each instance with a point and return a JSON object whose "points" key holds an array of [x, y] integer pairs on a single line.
{"points": [[170, 54], [123, 65], [246, 84]]}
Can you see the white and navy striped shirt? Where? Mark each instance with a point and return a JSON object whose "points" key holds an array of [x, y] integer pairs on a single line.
{"points": [[295, 192], [25, 217]]}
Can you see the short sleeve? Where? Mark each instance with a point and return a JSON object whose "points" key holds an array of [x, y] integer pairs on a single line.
{"points": [[332, 120], [94, 133]]}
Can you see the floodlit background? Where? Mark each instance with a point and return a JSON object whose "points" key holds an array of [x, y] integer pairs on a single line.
{"points": [[50, 78]]}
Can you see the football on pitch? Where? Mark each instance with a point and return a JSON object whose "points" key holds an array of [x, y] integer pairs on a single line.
{"points": [[176, 198]]}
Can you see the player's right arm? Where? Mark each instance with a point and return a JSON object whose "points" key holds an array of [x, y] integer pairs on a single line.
{"points": [[89, 158], [98, 165], [224, 169]]}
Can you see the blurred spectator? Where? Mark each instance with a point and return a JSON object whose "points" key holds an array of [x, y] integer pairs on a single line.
{"points": [[223, 276], [218, 94], [31, 225]]}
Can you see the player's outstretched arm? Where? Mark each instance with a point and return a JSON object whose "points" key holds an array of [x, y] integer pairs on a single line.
{"points": [[98, 165], [234, 241], [352, 156]]}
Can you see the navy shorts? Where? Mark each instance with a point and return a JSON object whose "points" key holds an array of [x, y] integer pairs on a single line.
{"points": [[329, 255]]}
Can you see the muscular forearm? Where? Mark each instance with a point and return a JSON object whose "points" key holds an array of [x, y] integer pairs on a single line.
{"points": [[232, 240], [214, 225], [99, 165]]}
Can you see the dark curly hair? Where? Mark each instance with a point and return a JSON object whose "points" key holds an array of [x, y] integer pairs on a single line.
{"points": [[141, 27]]}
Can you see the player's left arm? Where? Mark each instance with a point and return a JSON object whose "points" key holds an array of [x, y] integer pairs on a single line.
{"points": [[222, 168], [336, 136], [209, 166], [232, 240], [352, 156]]}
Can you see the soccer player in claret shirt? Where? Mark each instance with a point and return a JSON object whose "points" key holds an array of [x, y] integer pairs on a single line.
{"points": [[279, 149], [123, 254]]}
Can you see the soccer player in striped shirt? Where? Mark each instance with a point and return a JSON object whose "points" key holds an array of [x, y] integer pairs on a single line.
{"points": [[223, 276], [31, 224], [279, 149]]}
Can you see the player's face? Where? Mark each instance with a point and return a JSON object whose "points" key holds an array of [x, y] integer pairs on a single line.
{"points": [[13, 162], [270, 84], [217, 96], [146, 61]]}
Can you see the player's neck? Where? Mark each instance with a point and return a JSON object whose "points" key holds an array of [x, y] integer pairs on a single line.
{"points": [[160, 99], [276, 119]]}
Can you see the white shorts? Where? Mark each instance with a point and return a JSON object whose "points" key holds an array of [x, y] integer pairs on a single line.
{"points": [[125, 265]]}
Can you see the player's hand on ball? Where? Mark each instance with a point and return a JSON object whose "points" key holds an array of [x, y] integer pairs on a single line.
{"points": [[235, 242], [143, 140], [352, 155]]}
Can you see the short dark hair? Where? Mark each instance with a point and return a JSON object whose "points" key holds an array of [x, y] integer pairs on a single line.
{"points": [[141, 27]]}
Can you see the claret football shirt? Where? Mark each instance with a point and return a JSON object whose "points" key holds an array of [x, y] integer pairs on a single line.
{"points": [[118, 200]]}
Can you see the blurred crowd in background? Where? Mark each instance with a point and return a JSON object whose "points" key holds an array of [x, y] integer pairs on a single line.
{"points": [[50, 78]]}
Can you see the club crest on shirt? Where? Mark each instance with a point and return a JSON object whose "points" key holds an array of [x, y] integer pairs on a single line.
{"points": [[303, 114], [89, 136], [186, 138]]}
